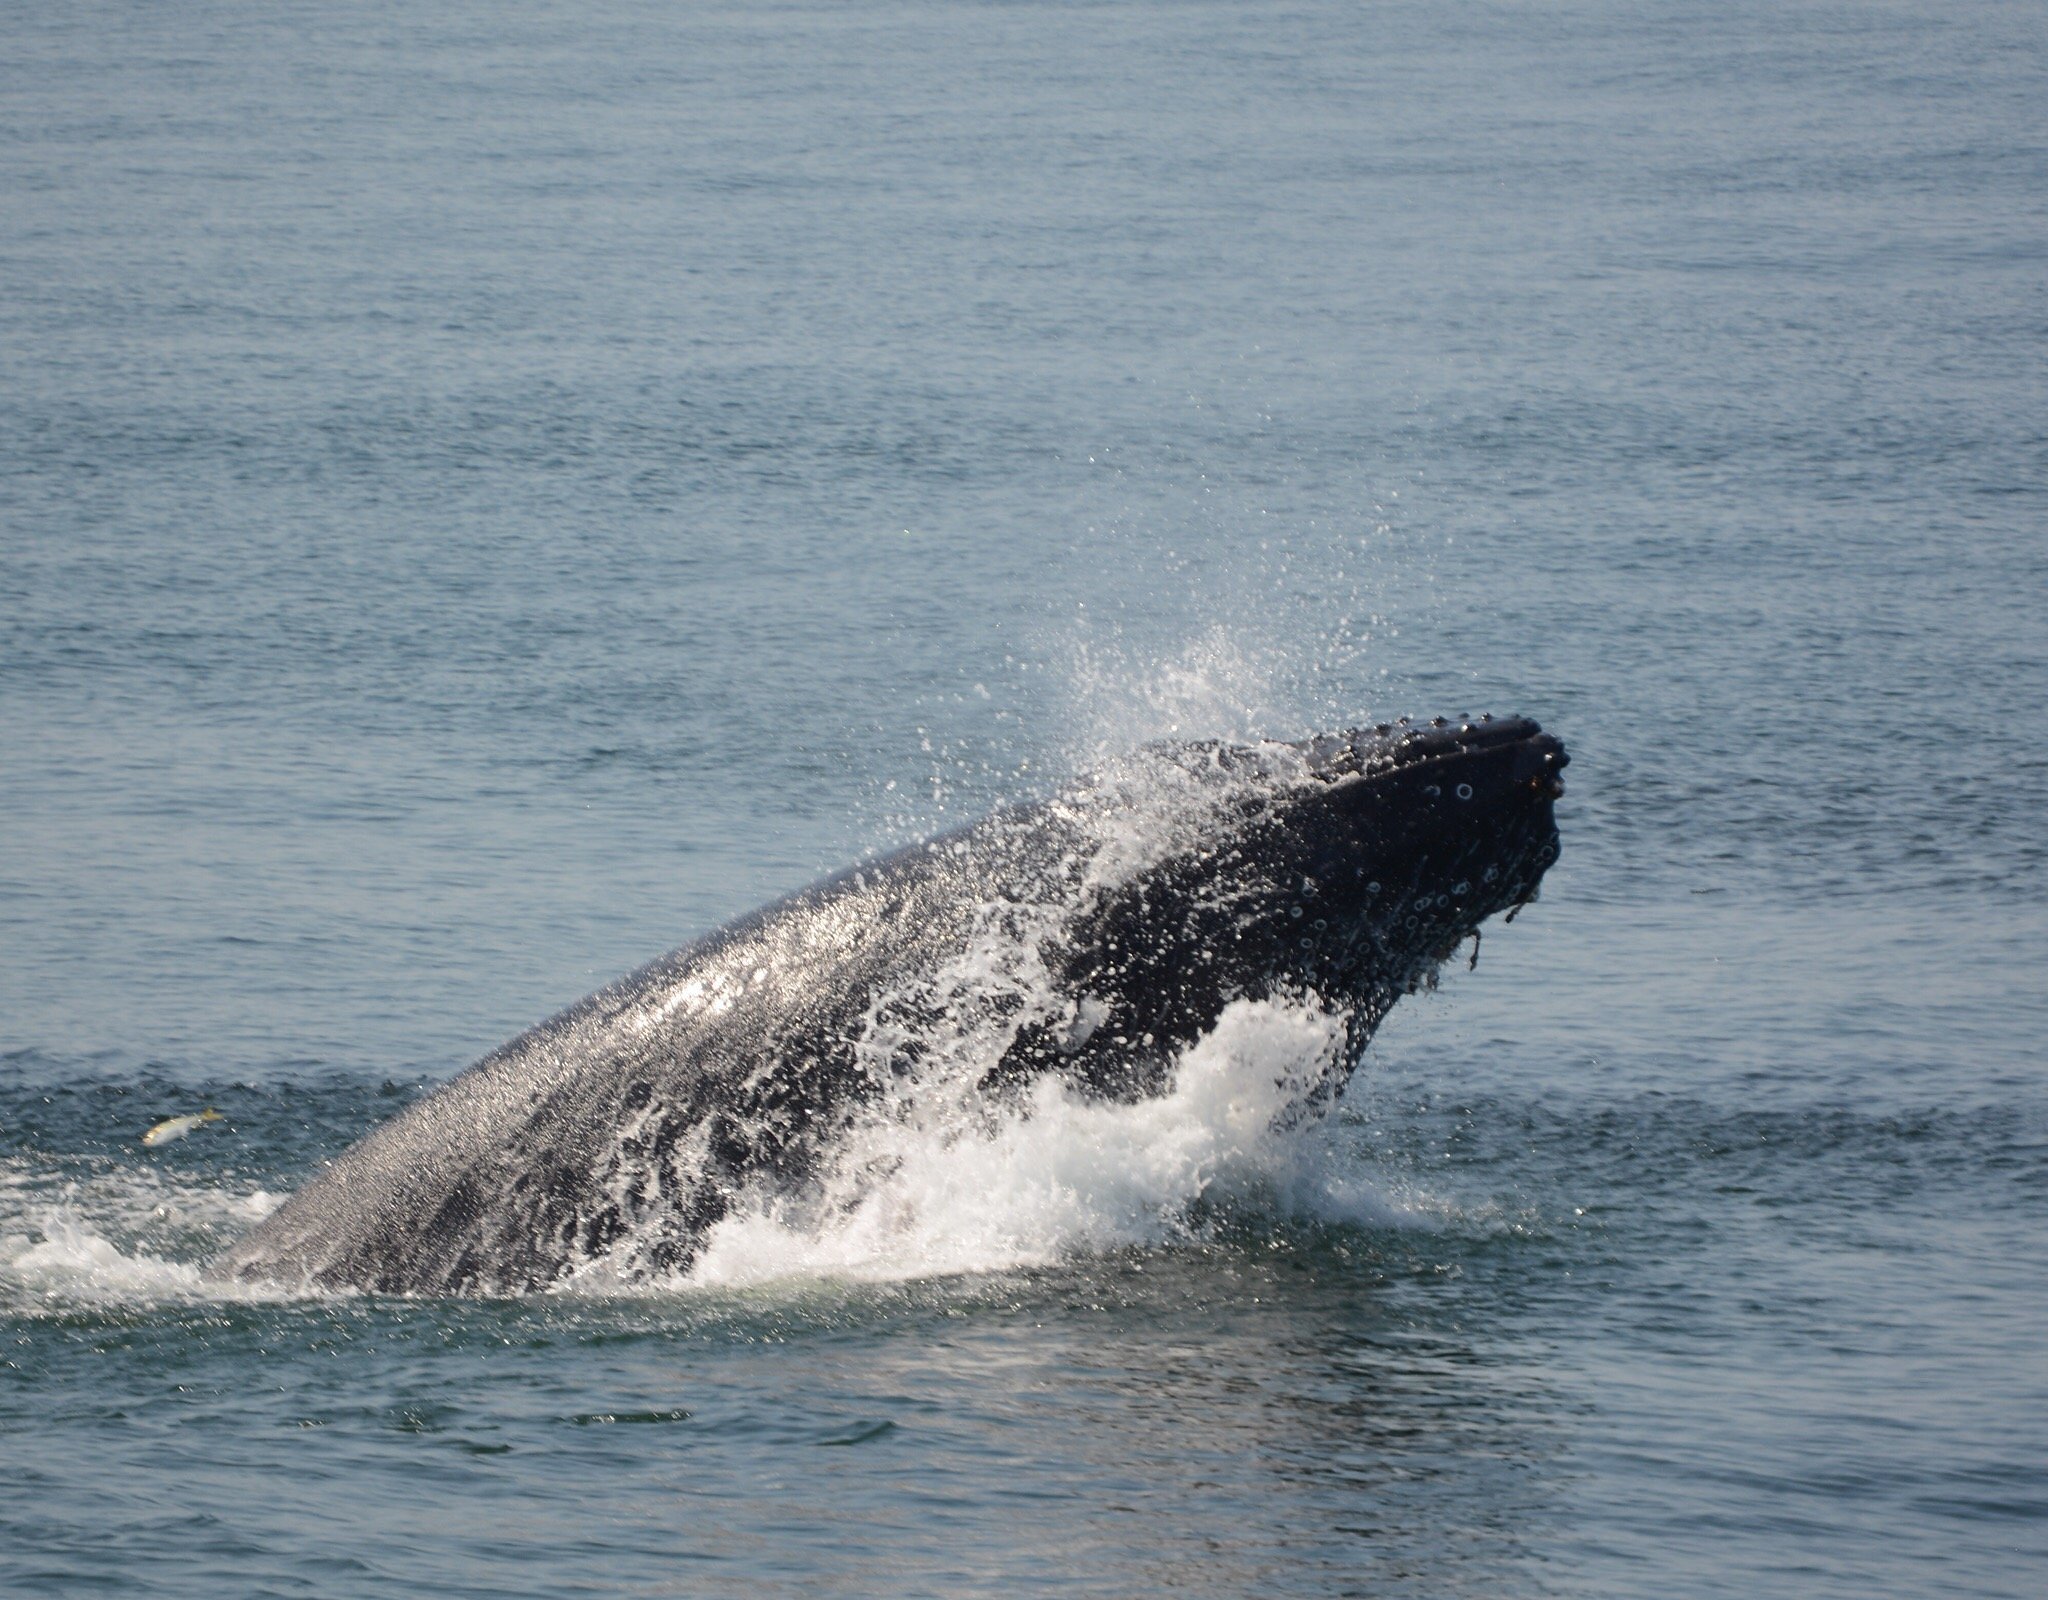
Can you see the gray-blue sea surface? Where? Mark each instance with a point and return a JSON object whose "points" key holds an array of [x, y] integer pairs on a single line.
{"points": [[487, 495]]}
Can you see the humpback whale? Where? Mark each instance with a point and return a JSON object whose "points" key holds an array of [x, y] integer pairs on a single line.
{"points": [[1093, 936]]}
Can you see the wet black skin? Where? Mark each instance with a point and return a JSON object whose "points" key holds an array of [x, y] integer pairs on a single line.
{"points": [[1356, 890], [1348, 866]]}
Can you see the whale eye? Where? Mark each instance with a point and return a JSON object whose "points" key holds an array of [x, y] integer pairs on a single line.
{"points": [[1464, 791]]}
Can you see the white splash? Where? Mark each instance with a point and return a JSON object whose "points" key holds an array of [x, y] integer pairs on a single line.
{"points": [[122, 1235], [1059, 1175]]}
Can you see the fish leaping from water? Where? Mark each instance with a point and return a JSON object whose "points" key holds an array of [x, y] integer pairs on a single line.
{"points": [[177, 1127]]}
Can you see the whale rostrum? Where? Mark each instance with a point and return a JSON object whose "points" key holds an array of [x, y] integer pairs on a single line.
{"points": [[1092, 936]]}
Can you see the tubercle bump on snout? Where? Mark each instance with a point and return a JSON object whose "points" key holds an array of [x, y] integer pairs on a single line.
{"points": [[1534, 759]]}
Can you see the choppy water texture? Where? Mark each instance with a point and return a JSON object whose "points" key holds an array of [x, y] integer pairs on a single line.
{"points": [[485, 497]]}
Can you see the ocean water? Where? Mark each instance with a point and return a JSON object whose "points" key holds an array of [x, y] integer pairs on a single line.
{"points": [[486, 496]]}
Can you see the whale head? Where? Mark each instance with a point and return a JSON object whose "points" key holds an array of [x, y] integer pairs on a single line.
{"points": [[1345, 867], [1418, 833], [1353, 863]]}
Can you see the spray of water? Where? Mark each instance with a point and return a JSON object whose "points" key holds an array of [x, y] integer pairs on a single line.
{"points": [[937, 1176]]}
